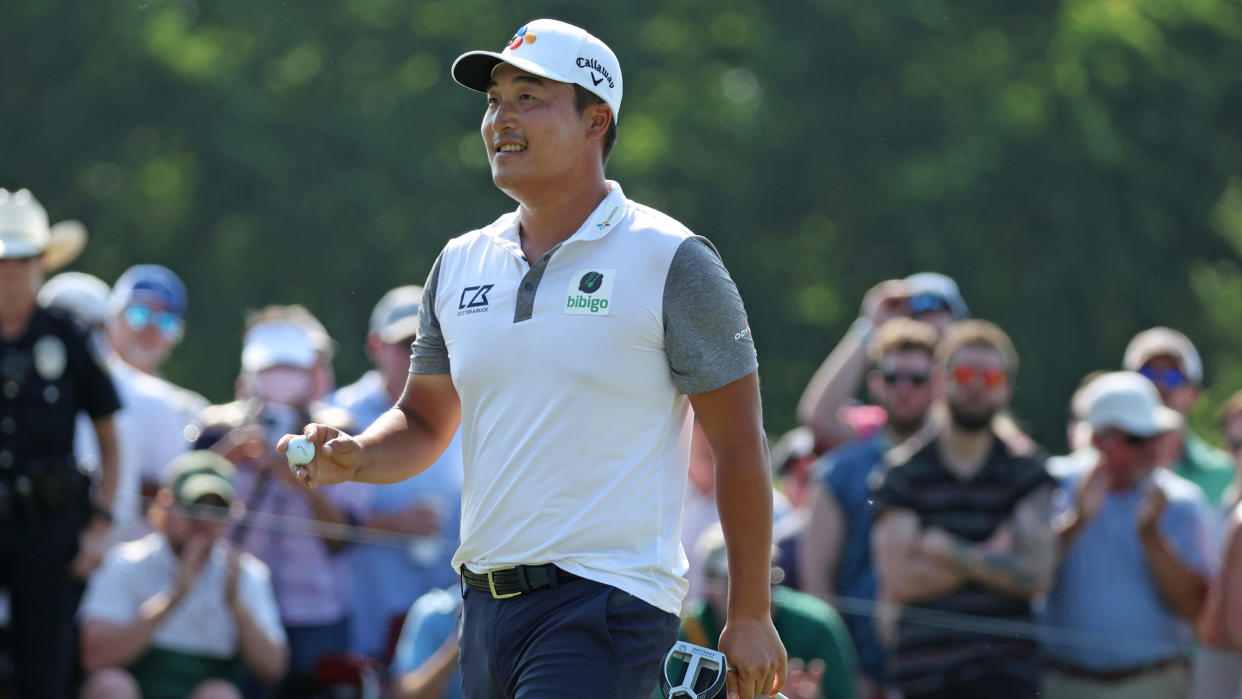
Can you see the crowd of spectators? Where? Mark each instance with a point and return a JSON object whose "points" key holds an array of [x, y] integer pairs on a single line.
{"points": [[924, 545], [968, 563]]}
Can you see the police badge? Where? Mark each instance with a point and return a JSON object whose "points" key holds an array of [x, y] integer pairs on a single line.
{"points": [[50, 357]]}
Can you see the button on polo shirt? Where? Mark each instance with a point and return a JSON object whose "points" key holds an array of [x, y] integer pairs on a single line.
{"points": [[573, 374]]}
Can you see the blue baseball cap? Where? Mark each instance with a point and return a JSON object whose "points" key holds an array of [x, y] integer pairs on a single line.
{"points": [[152, 283], [938, 285]]}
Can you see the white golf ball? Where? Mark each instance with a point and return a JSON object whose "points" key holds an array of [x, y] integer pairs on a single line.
{"points": [[301, 451]]}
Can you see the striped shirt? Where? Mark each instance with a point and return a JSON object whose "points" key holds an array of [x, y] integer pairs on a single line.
{"points": [[932, 650]]}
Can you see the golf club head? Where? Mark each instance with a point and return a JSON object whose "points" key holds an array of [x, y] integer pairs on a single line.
{"points": [[693, 672], [699, 673]]}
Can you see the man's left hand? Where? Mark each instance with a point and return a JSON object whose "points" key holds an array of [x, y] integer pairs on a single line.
{"points": [[757, 659], [232, 573], [937, 543], [805, 681], [1152, 507], [92, 543]]}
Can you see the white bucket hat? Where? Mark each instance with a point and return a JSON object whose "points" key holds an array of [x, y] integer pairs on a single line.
{"points": [[550, 49], [24, 232]]}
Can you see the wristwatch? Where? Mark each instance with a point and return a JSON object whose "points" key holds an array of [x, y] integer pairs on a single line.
{"points": [[864, 329]]}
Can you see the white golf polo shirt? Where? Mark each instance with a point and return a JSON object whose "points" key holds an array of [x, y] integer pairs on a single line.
{"points": [[573, 375], [202, 624]]}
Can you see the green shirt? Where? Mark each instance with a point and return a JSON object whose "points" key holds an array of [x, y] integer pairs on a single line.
{"points": [[808, 627], [1206, 466]]}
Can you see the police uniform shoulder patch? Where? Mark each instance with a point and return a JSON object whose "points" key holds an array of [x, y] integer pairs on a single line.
{"points": [[50, 357]]}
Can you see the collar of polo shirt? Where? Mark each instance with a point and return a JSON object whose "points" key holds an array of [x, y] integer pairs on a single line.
{"points": [[606, 218]]}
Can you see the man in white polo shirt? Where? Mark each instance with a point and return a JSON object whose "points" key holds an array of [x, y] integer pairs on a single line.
{"points": [[571, 339], [181, 612]]}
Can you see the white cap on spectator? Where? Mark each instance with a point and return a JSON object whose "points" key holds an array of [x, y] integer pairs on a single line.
{"points": [[1161, 341], [795, 444], [1128, 401], [83, 295], [279, 343], [939, 285], [710, 551], [395, 317]]}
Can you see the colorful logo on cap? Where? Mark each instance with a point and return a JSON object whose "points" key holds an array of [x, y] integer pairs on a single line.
{"points": [[522, 35]]}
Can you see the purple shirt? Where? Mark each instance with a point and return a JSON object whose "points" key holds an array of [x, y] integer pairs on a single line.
{"points": [[281, 533]]}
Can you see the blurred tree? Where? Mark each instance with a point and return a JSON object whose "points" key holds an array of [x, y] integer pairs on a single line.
{"points": [[1074, 165]]}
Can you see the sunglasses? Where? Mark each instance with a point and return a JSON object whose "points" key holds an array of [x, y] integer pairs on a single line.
{"points": [[913, 377], [966, 374], [1134, 440], [927, 302], [138, 317], [1171, 377], [202, 511]]}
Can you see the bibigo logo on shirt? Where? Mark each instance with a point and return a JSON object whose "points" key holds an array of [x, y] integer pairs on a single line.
{"points": [[590, 292]]}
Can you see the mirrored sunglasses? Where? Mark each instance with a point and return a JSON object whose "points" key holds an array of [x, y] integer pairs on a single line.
{"points": [[138, 317], [927, 302], [966, 374], [1172, 377]]}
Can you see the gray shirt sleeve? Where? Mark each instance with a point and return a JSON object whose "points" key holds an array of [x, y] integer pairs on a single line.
{"points": [[706, 336], [430, 356]]}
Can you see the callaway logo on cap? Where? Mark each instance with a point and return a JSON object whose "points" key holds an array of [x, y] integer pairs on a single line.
{"points": [[550, 49]]}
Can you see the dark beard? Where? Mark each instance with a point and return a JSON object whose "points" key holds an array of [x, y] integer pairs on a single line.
{"points": [[906, 427], [970, 422]]}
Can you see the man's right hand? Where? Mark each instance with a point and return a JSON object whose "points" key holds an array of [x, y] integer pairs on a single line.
{"points": [[193, 559], [1089, 496], [885, 301], [337, 456]]}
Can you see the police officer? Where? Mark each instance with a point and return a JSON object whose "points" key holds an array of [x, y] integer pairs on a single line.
{"points": [[52, 527]]}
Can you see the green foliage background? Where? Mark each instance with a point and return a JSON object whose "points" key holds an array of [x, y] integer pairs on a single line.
{"points": [[1076, 166]]}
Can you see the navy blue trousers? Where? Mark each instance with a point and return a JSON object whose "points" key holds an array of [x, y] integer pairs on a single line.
{"points": [[581, 639]]}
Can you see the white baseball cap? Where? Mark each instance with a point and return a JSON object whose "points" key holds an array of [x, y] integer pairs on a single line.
{"points": [[1129, 402], [550, 49], [1157, 341], [24, 231], [279, 343], [83, 295], [395, 317]]}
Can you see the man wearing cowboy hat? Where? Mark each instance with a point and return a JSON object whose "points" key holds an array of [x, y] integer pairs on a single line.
{"points": [[52, 528]]}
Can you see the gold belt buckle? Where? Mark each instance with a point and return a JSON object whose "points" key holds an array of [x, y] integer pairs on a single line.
{"points": [[491, 584]]}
